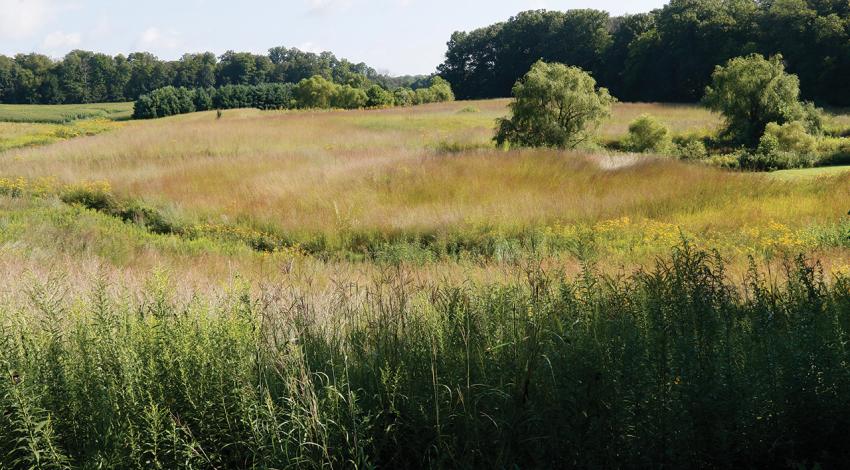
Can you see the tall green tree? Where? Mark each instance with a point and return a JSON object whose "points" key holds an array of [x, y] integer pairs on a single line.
{"points": [[752, 92], [554, 106]]}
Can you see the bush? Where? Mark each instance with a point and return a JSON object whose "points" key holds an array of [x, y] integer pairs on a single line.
{"points": [[404, 97], [781, 148], [348, 97], [203, 98], [752, 92], [315, 92], [690, 148], [234, 96], [792, 137], [273, 96], [378, 97], [554, 106], [441, 91], [646, 134]]}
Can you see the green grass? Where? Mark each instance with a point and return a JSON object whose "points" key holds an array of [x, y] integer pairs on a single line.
{"points": [[15, 135], [810, 172], [64, 113], [383, 289], [673, 366]]}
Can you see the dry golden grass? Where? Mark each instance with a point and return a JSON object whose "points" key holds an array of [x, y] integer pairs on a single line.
{"points": [[379, 170], [307, 174]]}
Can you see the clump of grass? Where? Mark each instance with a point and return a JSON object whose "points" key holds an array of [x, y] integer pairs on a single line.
{"points": [[98, 196]]}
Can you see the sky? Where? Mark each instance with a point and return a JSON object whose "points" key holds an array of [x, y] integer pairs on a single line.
{"points": [[393, 36]]}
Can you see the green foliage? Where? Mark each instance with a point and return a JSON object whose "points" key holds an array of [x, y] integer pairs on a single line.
{"points": [[348, 97], [314, 92], [99, 197], [666, 55], [647, 134], [404, 97], [782, 147], [690, 148], [554, 106], [594, 371], [792, 137], [751, 92], [86, 77], [379, 97]]}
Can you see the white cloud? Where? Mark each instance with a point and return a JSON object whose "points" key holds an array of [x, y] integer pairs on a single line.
{"points": [[310, 47], [153, 37], [23, 18], [58, 40], [328, 6]]}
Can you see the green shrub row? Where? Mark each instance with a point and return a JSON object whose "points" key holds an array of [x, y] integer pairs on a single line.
{"points": [[314, 92]]}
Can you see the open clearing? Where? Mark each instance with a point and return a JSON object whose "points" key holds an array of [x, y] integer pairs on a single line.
{"points": [[424, 183], [63, 113]]}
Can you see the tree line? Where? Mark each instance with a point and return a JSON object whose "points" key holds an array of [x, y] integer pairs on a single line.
{"points": [[314, 92], [668, 54], [90, 77]]}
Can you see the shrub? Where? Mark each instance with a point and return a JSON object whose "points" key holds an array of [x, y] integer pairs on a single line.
{"points": [[690, 148], [647, 134], [752, 92], [315, 92], [203, 98], [378, 97], [95, 196], [792, 137], [348, 97], [273, 96], [404, 97], [441, 91], [554, 106], [234, 96], [781, 147]]}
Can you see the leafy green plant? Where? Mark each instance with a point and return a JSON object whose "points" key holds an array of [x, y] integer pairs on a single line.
{"points": [[647, 134], [554, 106]]}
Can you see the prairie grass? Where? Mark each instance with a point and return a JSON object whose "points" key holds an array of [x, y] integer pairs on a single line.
{"points": [[671, 366], [64, 113], [385, 289], [424, 183], [22, 135]]}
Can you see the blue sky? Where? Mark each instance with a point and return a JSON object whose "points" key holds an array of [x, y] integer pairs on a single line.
{"points": [[397, 36]]}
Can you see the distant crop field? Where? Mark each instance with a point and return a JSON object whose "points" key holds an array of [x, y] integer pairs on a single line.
{"points": [[64, 113]]}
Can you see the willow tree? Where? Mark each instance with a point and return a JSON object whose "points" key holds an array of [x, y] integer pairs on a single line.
{"points": [[554, 106]]}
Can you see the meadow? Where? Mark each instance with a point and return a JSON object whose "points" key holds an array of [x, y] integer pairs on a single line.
{"points": [[64, 113], [385, 288], [426, 184]]}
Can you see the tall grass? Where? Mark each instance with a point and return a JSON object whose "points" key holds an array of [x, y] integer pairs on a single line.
{"points": [[64, 113], [672, 366]]}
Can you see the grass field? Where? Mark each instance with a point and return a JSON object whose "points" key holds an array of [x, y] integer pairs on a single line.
{"points": [[427, 183], [384, 288], [64, 113], [811, 172]]}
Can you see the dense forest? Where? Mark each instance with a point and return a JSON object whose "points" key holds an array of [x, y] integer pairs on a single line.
{"points": [[89, 77], [665, 55]]}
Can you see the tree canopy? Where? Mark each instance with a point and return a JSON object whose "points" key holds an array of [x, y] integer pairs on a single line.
{"points": [[752, 92], [554, 106], [665, 55], [87, 77]]}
